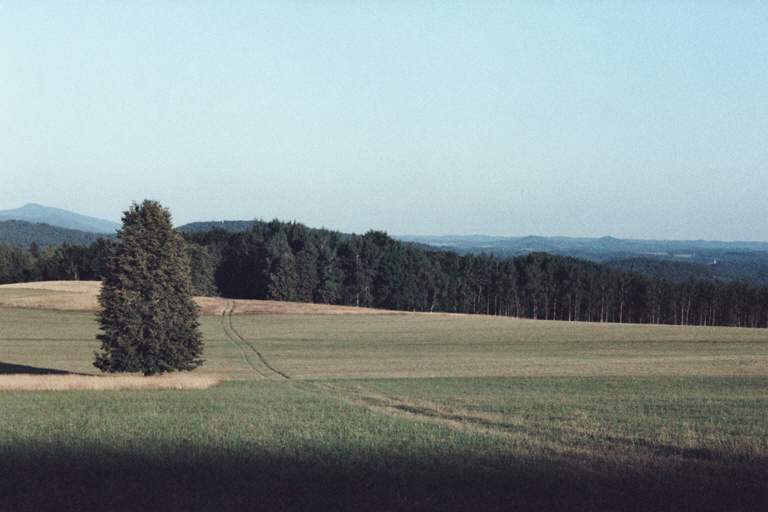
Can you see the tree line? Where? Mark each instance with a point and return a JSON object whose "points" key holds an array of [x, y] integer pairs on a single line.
{"points": [[288, 261], [65, 262], [291, 262]]}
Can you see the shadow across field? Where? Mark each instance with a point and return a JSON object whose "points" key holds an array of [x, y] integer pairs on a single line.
{"points": [[104, 479], [20, 369]]}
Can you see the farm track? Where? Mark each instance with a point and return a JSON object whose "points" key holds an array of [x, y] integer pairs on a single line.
{"points": [[421, 410], [259, 364]]}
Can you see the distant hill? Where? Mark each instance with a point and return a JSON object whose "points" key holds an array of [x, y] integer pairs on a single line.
{"points": [[677, 259], [18, 232], [608, 246], [56, 217]]}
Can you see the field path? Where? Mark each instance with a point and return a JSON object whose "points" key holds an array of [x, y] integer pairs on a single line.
{"points": [[453, 417], [258, 363]]}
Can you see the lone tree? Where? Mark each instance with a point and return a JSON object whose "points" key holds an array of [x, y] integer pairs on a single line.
{"points": [[149, 320]]}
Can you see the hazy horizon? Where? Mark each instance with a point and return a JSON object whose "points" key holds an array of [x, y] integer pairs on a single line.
{"points": [[417, 237], [630, 120]]}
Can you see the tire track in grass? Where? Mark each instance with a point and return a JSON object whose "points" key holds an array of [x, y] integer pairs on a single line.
{"points": [[226, 324], [259, 364], [458, 419]]}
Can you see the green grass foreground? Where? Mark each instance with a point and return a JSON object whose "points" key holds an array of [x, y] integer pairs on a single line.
{"points": [[396, 413], [527, 443]]}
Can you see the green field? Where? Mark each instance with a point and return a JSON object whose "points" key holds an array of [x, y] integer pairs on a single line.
{"points": [[396, 412]]}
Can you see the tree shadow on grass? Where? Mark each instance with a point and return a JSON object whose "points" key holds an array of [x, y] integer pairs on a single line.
{"points": [[17, 369], [100, 478]]}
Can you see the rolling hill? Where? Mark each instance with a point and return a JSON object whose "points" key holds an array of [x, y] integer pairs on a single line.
{"points": [[18, 232], [40, 214], [677, 259]]}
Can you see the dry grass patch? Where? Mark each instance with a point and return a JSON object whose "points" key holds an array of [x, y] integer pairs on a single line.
{"points": [[86, 287], [96, 383], [83, 296], [63, 295], [212, 306]]}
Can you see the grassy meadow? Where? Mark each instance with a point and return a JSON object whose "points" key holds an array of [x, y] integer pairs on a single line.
{"points": [[319, 411]]}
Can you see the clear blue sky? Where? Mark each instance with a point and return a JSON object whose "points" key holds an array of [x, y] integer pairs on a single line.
{"points": [[629, 119]]}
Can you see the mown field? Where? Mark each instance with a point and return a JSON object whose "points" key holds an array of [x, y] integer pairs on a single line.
{"points": [[393, 412]]}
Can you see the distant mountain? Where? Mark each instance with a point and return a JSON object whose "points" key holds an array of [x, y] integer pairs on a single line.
{"points": [[19, 232], [36, 213]]}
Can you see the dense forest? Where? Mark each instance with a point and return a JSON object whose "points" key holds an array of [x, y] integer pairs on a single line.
{"points": [[65, 262], [291, 262]]}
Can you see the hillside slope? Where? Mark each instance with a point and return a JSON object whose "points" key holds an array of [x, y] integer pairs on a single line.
{"points": [[37, 213], [24, 233]]}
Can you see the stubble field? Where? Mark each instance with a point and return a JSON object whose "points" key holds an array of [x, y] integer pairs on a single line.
{"points": [[319, 411]]}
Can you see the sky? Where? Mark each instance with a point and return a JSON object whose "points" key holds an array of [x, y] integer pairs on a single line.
{"points": [[588, 119]]}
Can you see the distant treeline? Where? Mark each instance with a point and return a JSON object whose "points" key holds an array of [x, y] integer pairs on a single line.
{"points": [[65, 262], [19, 232], [291, 262]]}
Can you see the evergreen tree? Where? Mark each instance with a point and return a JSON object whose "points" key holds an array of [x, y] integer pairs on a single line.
{"points": [[330, 276], [202, 262], [283, 278], [149, 318]]}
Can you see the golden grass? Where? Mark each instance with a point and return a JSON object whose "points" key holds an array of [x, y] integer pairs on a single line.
{"points": [[96, 383], [87, 287], [83, 296], [63, 295], [217, 306]]}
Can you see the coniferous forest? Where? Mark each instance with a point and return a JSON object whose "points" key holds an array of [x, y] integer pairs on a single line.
{"points": [[291, 262]]}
